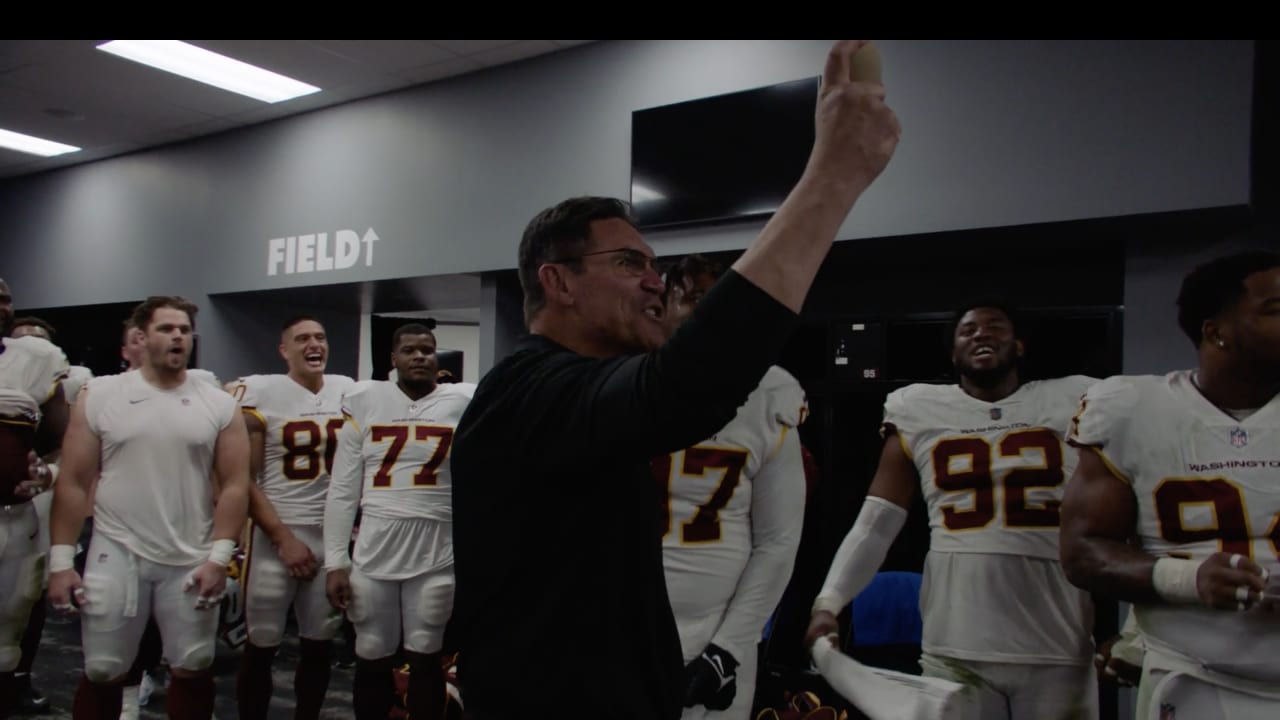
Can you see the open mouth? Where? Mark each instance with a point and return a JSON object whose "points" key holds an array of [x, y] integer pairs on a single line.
{"points": [[654, 311], [315, 359], [984, 351]]}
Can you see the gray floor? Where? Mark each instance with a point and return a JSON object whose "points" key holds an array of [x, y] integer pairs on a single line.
{"points": [[59, 663]]}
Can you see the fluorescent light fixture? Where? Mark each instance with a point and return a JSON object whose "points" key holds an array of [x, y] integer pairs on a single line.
{"points": [[33, 145], [189, 61]]}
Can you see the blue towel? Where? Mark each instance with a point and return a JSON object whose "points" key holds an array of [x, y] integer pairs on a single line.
{"points": [[887, 612]]}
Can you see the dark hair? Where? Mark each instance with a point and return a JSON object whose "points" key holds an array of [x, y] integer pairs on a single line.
{"points": [[423, 328], [297, 319], [994, 303], [142, 314], [560, 234], [1216, 286], [691, 266], [33, 322]]}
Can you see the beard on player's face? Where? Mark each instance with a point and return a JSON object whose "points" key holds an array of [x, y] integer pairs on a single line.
{"points": [[988, 376]]}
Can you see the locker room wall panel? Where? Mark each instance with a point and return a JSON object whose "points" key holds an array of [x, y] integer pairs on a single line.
{"points": [[448, 174]]}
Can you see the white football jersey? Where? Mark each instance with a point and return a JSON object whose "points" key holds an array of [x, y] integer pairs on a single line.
{"points": [[393, 458], [77, 377], [992, 476], [155, 494], [300, 440], [30, 370], [724, 497], [1204, 482]]}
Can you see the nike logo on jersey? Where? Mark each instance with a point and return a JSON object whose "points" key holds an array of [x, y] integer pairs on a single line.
{"points": [[135, 402]]}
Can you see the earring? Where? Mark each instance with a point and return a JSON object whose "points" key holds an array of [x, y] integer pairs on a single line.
{"points": [[1221, 343]]}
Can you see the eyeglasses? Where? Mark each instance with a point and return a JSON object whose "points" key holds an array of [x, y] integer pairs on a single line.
{"points": [[628, 261]]}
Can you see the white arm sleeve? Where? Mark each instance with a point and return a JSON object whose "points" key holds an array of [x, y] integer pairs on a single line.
{"points": [[343, 498], [861, 553], [777, 518]]}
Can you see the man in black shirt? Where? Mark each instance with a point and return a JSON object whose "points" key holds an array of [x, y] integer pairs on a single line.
{"points": [[561, 607]]}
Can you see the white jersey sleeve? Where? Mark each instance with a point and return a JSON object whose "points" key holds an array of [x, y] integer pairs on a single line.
{"points": [[343, 499], [77, 377], [777, 517], [1102, 423]]}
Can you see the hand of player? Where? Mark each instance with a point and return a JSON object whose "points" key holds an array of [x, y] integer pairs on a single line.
{"points": [[821, 625], [856, 132], [38, 477], [1230, 581], [210, 582], [297, 557], [711, 679], [1110, 667], [63, 587], [338, 587]]}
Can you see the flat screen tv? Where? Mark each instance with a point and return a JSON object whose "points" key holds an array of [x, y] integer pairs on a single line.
{"points": [[727, 157]]}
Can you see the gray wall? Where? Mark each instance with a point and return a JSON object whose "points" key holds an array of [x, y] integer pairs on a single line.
{"points": [[1154, 268], [254, 327], [446, 175]]}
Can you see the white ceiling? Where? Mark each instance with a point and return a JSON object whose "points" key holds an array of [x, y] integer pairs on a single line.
{"points": [[70, 92]]}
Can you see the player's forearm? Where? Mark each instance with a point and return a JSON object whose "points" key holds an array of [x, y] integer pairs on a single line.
{"points": [[1110, 568], [264, 515], [861, 553], [232, 509], [340, 507], [785, 258], [70, 506], [339, 520], [759, 591]]}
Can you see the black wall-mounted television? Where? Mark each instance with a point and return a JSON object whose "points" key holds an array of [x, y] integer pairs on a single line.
{"points": [[727, 157]]}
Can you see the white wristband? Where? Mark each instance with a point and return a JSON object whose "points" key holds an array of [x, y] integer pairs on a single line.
{"points": [[222, 551], [1174, 580], [53, 473], [62, 557]]}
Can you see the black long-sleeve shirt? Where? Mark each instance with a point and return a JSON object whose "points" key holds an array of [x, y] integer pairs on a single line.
{"points": [[561, 605]]}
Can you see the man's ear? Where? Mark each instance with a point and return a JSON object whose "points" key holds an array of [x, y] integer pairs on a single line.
{"points": [[557, 284]]}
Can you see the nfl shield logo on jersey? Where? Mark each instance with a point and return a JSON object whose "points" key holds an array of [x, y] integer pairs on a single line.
{"points": [[1239, 437], [996, 413]]}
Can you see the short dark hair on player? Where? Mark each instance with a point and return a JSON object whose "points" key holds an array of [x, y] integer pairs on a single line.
{"points": [[1217, 285], [691, 266], [423, 328], [297, 319], [146, 310], [33, 321], [995, 303]]}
